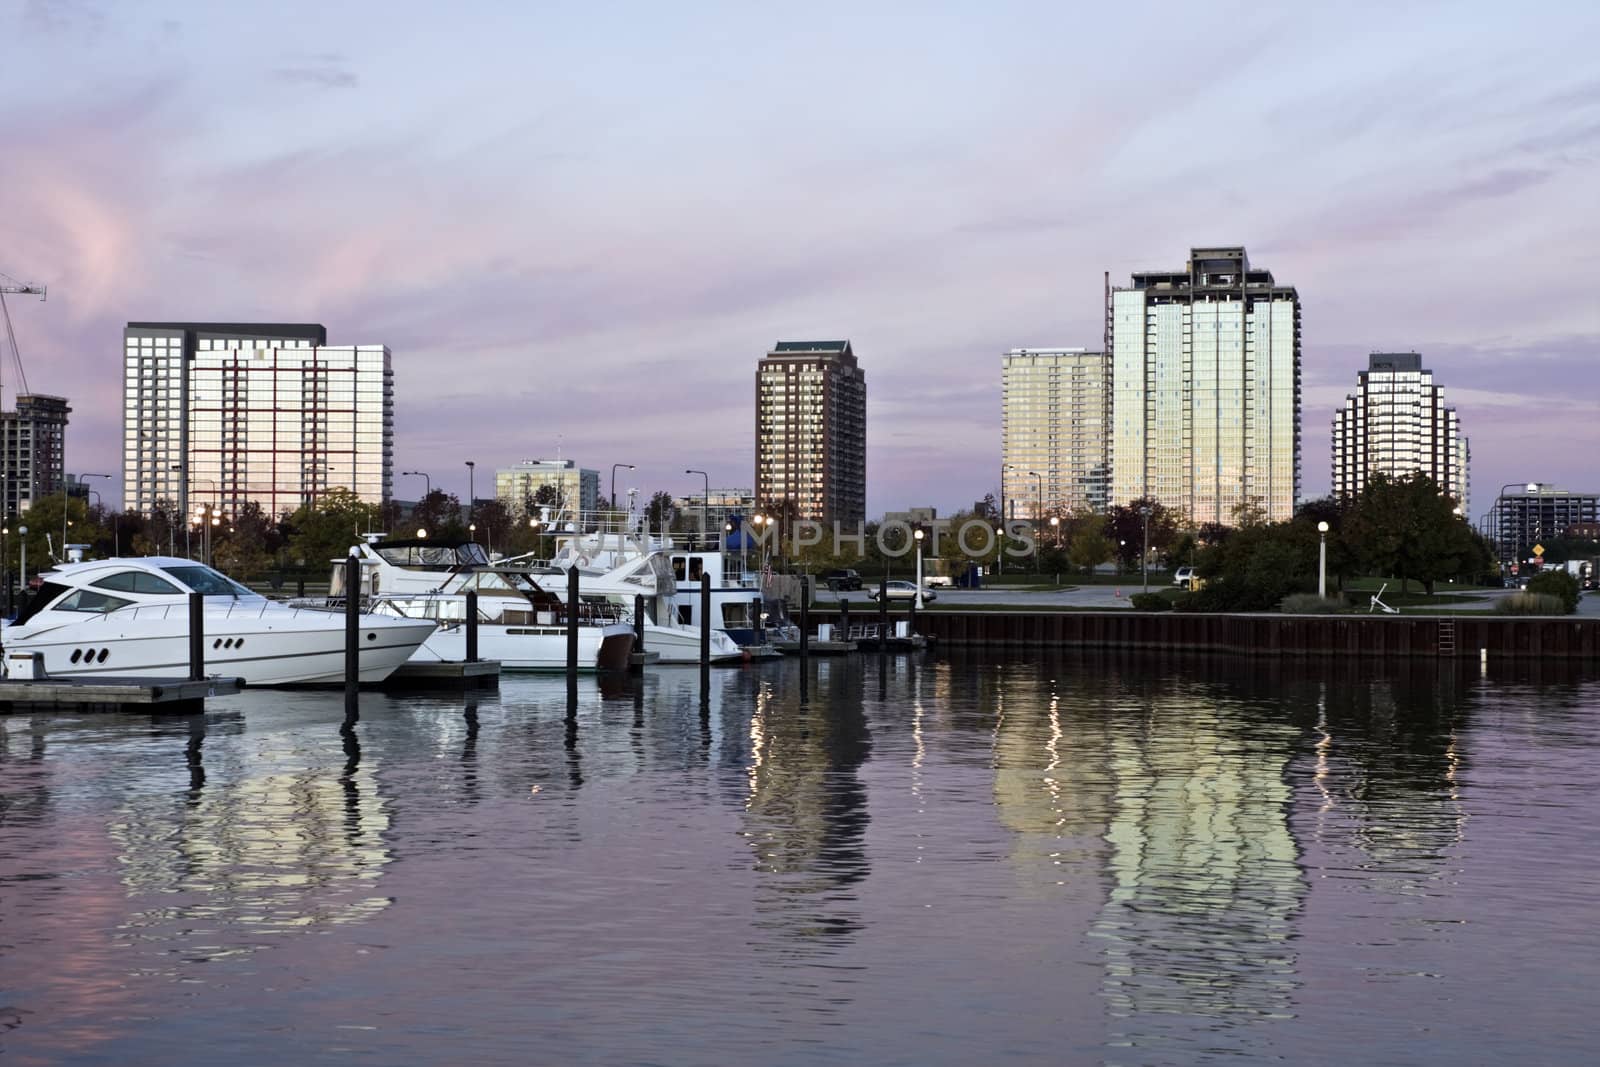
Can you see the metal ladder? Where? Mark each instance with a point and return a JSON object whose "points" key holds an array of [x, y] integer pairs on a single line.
{"points": [[1447, 637]]}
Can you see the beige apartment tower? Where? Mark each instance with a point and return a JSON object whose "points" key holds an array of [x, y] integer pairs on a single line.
{"points": [[1053, 418], [1397, 424], [1205, 365], [811, 431]]}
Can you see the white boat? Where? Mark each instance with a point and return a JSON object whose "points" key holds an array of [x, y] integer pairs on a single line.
{"points": [[521, 620], [129, 618]]}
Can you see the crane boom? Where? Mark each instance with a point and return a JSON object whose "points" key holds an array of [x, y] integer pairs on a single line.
{"points": [[9, 284]]}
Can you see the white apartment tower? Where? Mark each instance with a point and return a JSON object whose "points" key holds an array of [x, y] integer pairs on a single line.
{"points": [[1205, 412], [229, 413], [1053, 418], [1397, 424]]}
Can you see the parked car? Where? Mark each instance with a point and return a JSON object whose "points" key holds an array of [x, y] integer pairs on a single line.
{"points": [[838, 580], [899, 590], [1183, 576]]}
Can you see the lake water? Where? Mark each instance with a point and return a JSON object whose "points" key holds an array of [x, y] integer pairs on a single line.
{"points": [[957, 860]]}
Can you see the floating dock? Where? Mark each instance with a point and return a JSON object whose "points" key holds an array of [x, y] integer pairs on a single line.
{"points": [[175, 696], [457, 675]]}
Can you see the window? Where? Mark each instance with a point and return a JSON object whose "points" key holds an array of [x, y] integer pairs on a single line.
{"points": [[136, 582], [89, 601], [206, 581]]}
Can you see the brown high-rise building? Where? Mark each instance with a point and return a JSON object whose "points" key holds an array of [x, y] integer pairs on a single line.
{"points": [[811, 431], [32, 447]]}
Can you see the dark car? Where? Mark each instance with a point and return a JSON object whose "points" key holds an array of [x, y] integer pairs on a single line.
{"points": [[838, 580]]}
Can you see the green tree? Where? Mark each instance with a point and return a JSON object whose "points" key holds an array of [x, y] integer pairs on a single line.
{"points": [[1089, 546], [322, 532], [1408, 529]]}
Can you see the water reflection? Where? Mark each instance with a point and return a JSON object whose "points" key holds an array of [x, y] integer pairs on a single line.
{"points": [[806, 816]]}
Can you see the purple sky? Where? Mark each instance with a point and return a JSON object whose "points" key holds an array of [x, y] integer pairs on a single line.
{"points": [[586, 228]]}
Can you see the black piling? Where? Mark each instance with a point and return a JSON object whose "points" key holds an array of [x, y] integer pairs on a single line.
{"points": [[755, 621], [913, 626], [805, 634], [352, 634], [638, 622], [705, 630], [883, 616], [197, 637], [572, 630], [844, 620], [472, 626]]}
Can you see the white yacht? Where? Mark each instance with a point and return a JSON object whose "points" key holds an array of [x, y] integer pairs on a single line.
{"points": [[521, 622], [129, 618]]}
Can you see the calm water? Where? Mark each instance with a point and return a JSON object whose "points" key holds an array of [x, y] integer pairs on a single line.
{"points": [[963, 861]]}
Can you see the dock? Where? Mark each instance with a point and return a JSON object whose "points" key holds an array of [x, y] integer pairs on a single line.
{"points": [[174, 696], [454, 675]]}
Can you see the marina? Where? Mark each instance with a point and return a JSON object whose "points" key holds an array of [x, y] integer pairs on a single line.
{"points": [[1147, 859]]}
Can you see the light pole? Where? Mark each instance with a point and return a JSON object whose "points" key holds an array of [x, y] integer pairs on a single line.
{"points": [[1055, 529], [918, 534], [22, 538], [1500, 516], [472, 490], [614, 468], [87, 490], [705, 501], [1038, 517], [427, 482], [1144, 557], [1000, 555], [1322, 559]]}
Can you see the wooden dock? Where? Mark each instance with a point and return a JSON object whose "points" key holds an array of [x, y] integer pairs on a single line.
{"points": [[174, 696], [456, 675]]}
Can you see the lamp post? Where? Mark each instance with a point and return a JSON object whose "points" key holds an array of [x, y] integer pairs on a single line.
{"points": [[614, 468], [427, 482], [1144, 557], [472, 490], [705, 501], [1000, 554], [1500, 516], [1055, 529], [81, 477], [1038, 517], [22, 538], [918, 535], [1322, 559]]}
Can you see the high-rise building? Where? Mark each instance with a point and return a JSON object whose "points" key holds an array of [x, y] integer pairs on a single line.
{"points": [[229, 413], [1397, 424], [32, 450], [811, 431], [1519, 520], [571, 487], [1053, 415], [1205, 366]]}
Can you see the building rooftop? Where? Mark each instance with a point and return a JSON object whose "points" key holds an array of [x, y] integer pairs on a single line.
{"points": [[811, 346], [314, 332], [1395, 361]]}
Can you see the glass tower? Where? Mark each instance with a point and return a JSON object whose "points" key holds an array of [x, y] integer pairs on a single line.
{"points": [[1205, 412], [1053, 423]]}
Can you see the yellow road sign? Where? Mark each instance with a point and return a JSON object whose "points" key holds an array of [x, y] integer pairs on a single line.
{"points": [[1538, 550]]}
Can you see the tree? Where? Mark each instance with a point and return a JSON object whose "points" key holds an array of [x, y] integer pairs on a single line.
{"points": [[1089, 546], [245, 546], [1127, 529], [439, 513], [660, 513], [323, 531], [1408, 529], [494, 524]]}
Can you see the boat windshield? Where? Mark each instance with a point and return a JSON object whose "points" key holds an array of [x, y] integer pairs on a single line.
{"points": [[207, 582]]}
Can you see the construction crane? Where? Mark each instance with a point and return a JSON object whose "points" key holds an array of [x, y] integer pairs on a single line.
{"points": [[9, 284]]}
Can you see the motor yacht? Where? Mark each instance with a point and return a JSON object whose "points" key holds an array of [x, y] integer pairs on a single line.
{"points": [[522, 621], [129, 618]]}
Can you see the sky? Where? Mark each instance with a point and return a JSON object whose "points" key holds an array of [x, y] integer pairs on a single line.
{"points": [[578, 227]]}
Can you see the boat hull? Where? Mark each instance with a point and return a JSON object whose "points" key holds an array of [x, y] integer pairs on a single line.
{"points": [[533, 648]]}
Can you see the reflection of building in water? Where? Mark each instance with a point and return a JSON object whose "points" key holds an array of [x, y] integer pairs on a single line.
{"points": [[806, 814], [264, 856]]}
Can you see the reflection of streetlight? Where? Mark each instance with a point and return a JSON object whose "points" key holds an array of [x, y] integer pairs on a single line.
{"points": [[1322, 558]]}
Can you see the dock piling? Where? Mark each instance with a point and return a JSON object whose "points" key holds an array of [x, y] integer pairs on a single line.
{"points": [[883, 616], [352, 633], [197, 637], [472, 626], [572, 628], [805, 632], [705, 629]]}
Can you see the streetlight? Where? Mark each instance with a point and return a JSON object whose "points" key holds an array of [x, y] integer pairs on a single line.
{"points": [[22, 537], [1038, 517], [918, 534], [1000, 556], [64, 483], [1500, 515], [422, 534], [1322, 559], [472, 490], [1144, 558], [705, 501], [1055, 529], [427, 482], [614, 467]]}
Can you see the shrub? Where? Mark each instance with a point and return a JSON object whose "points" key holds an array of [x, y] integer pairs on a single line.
{"points": [[1530, 604], [1150, 602], [1311, 604], [1558, 584], [1186, 602]]}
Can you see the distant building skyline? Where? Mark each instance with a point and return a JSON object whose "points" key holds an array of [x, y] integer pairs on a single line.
{"points": [[226, 414], [1396, 424], [1054, 421], [32, 451], [517, 485], [1520, 517], [1206, 388], [811, 431]]}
